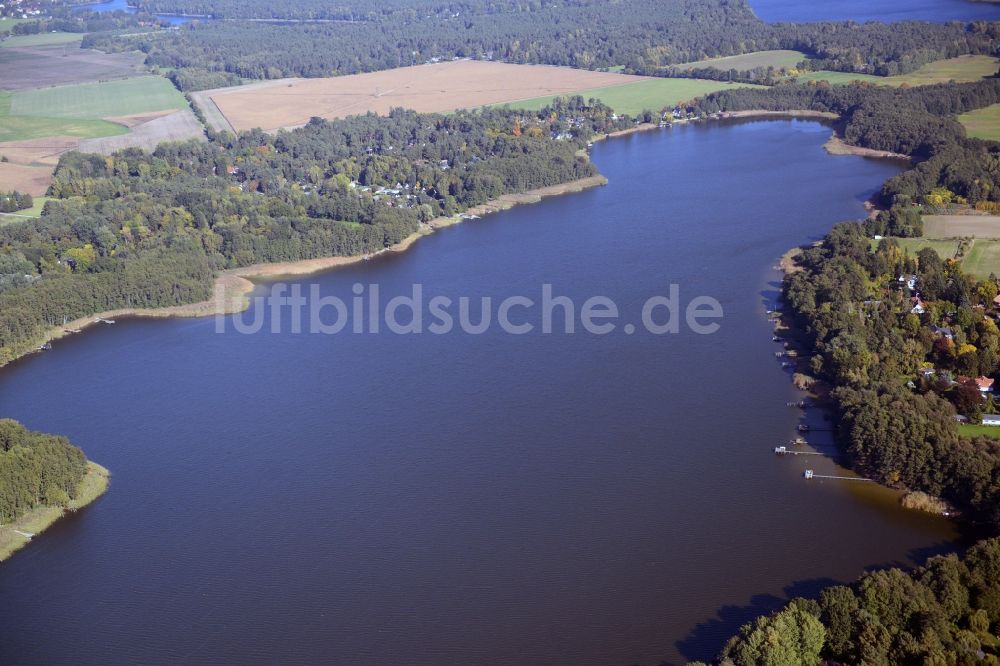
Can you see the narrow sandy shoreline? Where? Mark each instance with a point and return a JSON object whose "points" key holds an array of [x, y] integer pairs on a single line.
{"points": [[229, 293], [17, 535], [837, 146], [800, 113], [232, 287]]}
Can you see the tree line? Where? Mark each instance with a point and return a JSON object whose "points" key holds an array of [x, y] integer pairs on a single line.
{"points": [[640, 36], [13, 201], [36, 469], [944, 612], [140, 229]]}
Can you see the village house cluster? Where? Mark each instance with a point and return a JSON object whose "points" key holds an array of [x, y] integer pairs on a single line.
{"points": [[909, 284], [23, 9]]}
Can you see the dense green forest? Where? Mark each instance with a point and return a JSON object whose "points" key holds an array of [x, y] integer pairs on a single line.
{"points": [[902, 372], [944, 612], [146, 230], [641, 36], [36, 469]]}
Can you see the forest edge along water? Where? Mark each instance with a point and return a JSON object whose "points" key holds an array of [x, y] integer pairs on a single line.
{"points": [[232, 286]]}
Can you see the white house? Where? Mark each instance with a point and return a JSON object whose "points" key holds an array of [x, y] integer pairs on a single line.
{"points": [[991, 419]]}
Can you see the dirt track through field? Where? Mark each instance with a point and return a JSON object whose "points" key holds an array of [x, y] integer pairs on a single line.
{"points": [[439, 88]]}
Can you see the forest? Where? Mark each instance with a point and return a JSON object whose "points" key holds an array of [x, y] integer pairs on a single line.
{"points": [[640, 36], [944, 612], [146, 230], [901, 373], [36, 469]]}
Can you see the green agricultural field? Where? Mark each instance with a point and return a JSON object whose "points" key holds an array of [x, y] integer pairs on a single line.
{"points": [[747, 61], [19, 128], [982, 123], [106, 99], [7, 24], [634, 98], [963, 69], [983, 258], [945, 248], [974, 430], [42, 39], [839, 78]]}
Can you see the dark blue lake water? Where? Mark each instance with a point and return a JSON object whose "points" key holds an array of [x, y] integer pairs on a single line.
{"points": [[805, 11], [454, 499]]}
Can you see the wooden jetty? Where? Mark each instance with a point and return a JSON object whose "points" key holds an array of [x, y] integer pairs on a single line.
{"points": [[809, 474], [784, 451]]}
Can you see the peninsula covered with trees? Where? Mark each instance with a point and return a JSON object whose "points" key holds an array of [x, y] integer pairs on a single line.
{"points": [[41, 476]]}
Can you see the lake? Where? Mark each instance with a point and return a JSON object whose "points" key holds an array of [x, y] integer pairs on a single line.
{"points": [[452, 499], [802, 11]]}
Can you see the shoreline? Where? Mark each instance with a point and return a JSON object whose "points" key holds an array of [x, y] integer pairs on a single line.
{"points": [[818, 393], [837, 146], [231, 287], [13, 537], [799, 113]]}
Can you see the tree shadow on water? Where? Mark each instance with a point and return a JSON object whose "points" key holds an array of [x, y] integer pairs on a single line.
{"points": [[706, 639]]}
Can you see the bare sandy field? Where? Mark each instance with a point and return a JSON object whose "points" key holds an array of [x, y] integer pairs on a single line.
{"points": [[437, 88], [961, 226], [176, 126], [38, 152], [139, 119], [34, 180], [42, 66]]}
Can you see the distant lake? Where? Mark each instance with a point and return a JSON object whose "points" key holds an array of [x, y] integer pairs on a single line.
{"points": [[469, 499], [805, 11], [123, 6]]}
